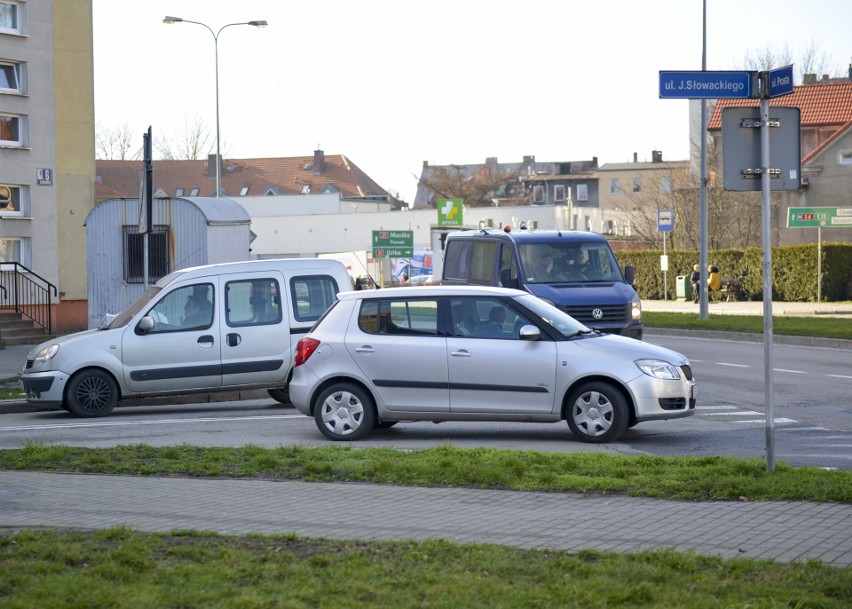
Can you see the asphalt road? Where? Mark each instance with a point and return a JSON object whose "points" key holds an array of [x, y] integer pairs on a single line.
{"points": [[812, 397]]}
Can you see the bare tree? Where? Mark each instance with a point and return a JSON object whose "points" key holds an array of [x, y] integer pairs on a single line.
{"points": [[191, 142], [810, 59], [116, 143], [478, 186]]}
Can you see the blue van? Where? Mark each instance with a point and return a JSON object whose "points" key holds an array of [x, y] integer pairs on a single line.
{"points": [[575, 270]]}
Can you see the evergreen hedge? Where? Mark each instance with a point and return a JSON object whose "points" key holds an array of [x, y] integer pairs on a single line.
{"points": [[794, 271]]}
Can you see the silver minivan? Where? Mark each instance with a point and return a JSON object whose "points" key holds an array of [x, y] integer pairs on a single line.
{"points": [[473, 353], [220, 327]]}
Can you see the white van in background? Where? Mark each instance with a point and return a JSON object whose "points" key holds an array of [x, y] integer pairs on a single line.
{"points": [[220, 327]]}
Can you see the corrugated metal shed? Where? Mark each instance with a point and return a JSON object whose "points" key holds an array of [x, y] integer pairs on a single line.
{"points": [[198, 230]]}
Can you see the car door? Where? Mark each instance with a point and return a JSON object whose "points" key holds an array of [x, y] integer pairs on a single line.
{"points": [[182, 351], [395, 344], [492, 369], [256, 346]]}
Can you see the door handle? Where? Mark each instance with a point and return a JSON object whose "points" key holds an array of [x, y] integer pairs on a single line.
{"points": [[205, 341], [365, 349], [234, 339], [460, 353]]}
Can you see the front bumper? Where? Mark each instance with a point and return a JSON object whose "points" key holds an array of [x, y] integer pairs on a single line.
{"points": [[45, 388], [659, 399]]}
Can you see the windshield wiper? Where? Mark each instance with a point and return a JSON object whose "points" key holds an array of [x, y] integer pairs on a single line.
{"points": [[585, 333]]}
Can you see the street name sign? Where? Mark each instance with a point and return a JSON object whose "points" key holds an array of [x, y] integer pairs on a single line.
{"points": [[393, 244], [780, 81], [706, 85], [819, 217]]}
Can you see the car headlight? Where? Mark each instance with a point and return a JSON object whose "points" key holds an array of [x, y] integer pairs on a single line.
{"points": [[636, 309], [45, 355], [658, 368]]}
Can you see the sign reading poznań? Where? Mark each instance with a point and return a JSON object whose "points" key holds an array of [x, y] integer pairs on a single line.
{"points": [[816, 217], [393, 244]]}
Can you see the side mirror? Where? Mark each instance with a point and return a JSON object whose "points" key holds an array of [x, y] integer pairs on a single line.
{"points": [[630, 274], [529, 332], [146, 324]]}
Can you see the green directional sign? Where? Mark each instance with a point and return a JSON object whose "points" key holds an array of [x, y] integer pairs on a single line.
{"points": [[815, 217], [393, 244], [450, 212]]}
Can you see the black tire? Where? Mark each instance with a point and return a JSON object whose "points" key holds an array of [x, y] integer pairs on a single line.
{"points": [[597, 412], [384, 424], [91, 393], [344, 412], [280, 394]]}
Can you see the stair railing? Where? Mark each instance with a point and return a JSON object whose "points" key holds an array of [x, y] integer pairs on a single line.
{"points": [[28, 293]]}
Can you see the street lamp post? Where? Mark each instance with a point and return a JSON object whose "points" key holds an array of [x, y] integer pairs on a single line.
{"points": [[256, 23]]}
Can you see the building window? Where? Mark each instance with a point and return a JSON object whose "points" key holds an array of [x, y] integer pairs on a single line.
{"points": [[12, 250], [844, 157], [179, 192], [12, 18], [614, 188], [637, 185], [665, 184], [10, 77], [538, 194], [158, 253], [306, 189], [10, 199], [11, 130], [559, 192], [194, 192], [582, 192], [244, 191]]}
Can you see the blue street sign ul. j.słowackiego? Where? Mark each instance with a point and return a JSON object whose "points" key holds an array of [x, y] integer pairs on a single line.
{"points": [[705, 85]]}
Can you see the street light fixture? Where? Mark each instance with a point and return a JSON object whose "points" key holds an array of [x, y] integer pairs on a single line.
{"points": [[256, 23]]}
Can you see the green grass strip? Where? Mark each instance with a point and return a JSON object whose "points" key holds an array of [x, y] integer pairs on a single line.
{"points": [[706, 478], [821, 327]]}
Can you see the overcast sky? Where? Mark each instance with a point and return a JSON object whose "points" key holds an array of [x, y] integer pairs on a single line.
{"points": [[391, 83]]}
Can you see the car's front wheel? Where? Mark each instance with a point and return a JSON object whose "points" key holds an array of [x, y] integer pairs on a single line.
{"points": [[597, 413], [91, 393], [344, 412]]}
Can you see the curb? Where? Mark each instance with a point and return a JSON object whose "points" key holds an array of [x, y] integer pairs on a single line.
{"points": [[778, 339]]}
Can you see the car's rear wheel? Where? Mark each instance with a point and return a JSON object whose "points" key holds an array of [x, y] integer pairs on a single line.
{"points": [[344, 412], [597, 413], [280, 395], [91, 393]]}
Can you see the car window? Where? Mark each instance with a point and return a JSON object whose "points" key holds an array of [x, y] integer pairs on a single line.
{"points": [[485, 318], [186, 308], [253, 302], [312, 295], [410, 317]]}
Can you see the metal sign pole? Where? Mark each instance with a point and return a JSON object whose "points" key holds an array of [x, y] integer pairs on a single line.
{"points": [[765, 190]]}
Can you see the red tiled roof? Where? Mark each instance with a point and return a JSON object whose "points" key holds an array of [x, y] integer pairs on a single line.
{"points": [[288, 175], [821, 105]]}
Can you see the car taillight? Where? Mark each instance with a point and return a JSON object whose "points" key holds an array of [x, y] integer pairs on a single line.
{"points": [[305, 349]]}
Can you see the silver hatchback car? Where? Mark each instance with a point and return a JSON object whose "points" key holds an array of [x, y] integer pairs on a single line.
{"points": [[462, 353]]}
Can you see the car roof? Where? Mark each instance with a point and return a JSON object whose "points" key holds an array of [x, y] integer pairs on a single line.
{"points": [[428, 291], [530, 236]]}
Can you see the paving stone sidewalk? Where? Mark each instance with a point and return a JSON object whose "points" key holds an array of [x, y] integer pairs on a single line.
{"points": [[781, 531]]}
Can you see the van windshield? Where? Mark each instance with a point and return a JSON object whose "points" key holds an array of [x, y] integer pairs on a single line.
{"points": [[567, 262], [127, 314]]}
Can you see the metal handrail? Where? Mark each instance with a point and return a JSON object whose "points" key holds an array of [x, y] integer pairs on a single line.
{"points": [[31, 293]]}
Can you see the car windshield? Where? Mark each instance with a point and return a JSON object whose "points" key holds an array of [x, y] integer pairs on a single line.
{"points": [[127, 314], [556, 319], [568, 262]]}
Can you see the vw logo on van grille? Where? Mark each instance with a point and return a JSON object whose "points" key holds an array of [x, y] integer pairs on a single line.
{"points": [[597, 313]]}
